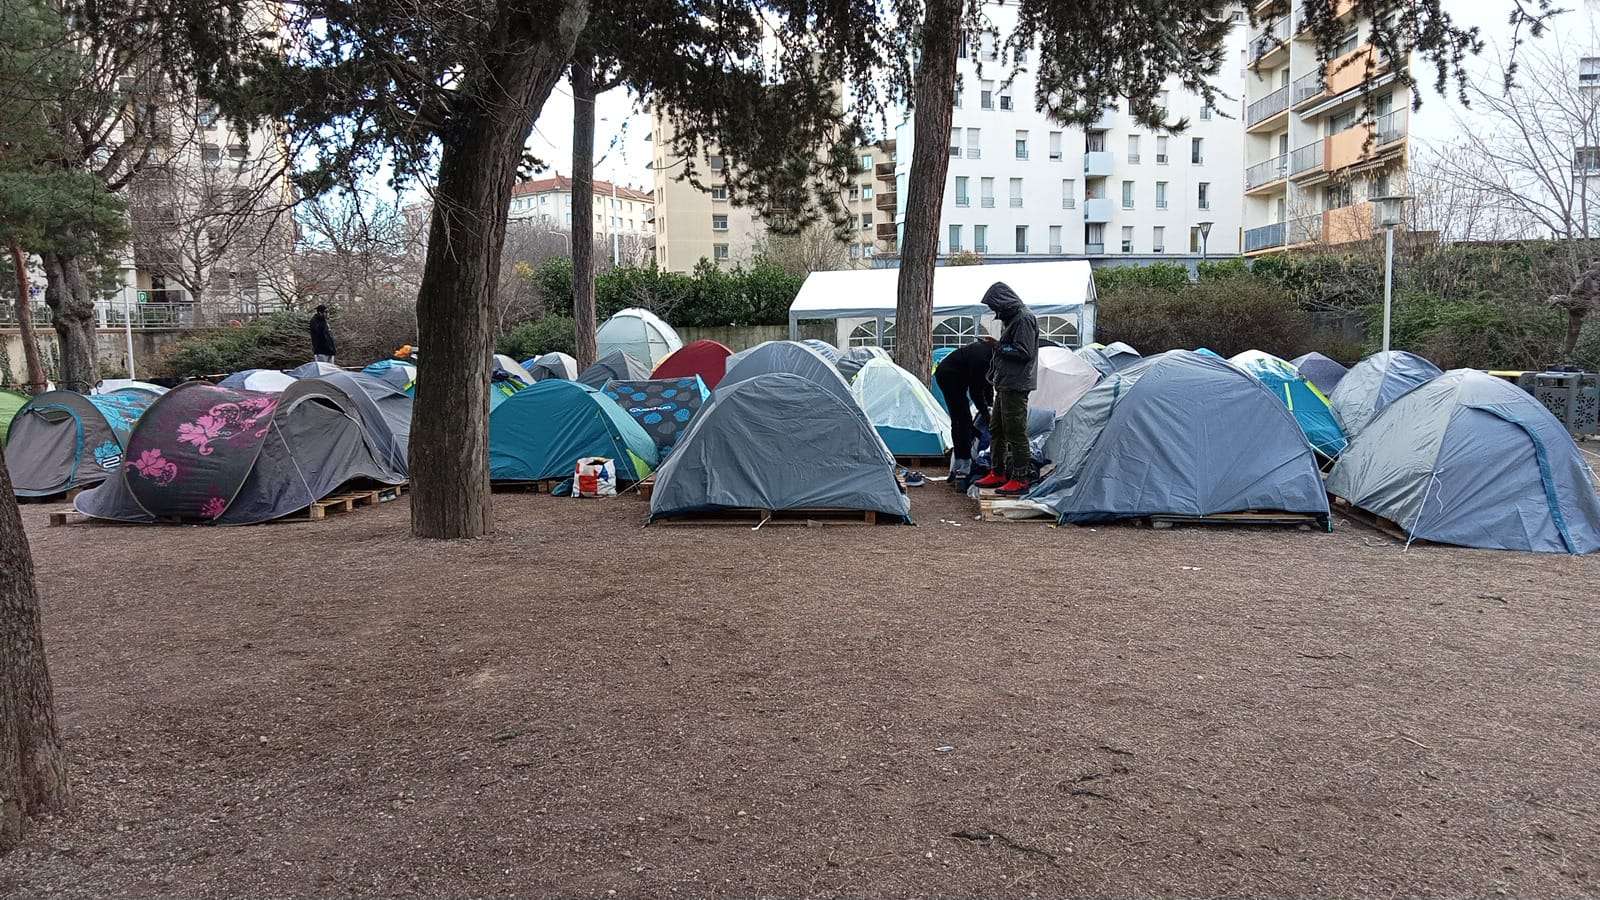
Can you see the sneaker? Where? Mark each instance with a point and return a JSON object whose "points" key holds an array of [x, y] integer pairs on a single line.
{"points": [[915, 479], [1013, 488], [991, 480]]}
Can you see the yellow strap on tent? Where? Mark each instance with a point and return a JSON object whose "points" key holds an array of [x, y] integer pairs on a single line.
{"points": [[1288, 398]]}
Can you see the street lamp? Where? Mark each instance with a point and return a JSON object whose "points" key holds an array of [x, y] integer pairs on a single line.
{"points": [[1389, 212], [1205, 238]]}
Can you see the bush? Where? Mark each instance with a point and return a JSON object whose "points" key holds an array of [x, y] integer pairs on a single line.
{"points": [[1157, 276], [1226, 314], [279, 341], [548, 335], [1479, 334]]}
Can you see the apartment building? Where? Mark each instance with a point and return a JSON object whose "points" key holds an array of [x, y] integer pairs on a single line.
{"points": [[1021, 186], [624, 217]]}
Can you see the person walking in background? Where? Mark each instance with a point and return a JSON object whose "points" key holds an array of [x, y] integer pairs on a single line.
{"points": [[322, 345], [963, 378], [1014, 372]]}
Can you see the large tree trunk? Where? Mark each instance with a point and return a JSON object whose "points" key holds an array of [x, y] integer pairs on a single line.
{"points": [[455, 303], [930, 160], [1575, 317], [583, 312], [66, 292], [30, 344], [33, 777]]}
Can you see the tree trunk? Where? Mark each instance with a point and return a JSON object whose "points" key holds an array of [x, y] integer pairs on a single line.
{"points": [[930, 160], [30, 344], [583, 311], [1575, 319], [33, 777], [455, 303], [66, 292]]}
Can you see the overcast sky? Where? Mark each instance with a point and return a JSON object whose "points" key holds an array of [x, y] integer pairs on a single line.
{"points": [[620, 149]]}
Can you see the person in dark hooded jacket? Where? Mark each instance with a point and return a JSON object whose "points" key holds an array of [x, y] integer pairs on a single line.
{"points": [[322, 345], [963, 377], [1014, 372]]}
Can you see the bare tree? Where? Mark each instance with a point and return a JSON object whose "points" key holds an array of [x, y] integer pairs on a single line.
{"points": [[816, 248], [529, 243], [353, 249]]}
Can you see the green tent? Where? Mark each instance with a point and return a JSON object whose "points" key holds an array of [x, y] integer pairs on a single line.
{"points": [[10, 402]]}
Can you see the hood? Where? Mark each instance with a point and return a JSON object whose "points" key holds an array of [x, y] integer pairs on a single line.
{"points": [[1002, 299]]}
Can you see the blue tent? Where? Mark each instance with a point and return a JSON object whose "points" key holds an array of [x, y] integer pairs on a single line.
{"points": [[1181, 434], [1374, 383], [786, 356], [663, 407], [396, 373], [1308, 404], [542, 431], [1469, 459], [933, 383]]}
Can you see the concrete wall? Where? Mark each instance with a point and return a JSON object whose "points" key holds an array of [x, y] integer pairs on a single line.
{"points": [[743, 337], [112, 350]]}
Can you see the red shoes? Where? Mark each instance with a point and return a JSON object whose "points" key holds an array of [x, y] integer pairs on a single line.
{"points": [[991, 480], [1013, 488]]}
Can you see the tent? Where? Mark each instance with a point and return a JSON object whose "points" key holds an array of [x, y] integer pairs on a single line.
{"points": [[268, 380], [210, 454], [1374, 383], [778, 441], [505, 367], [851, 361], [1469, 459], [541, 432], [396, 373], [663, 407], [551, 365], [10, 402], [1064, 376], [1320, 371], [1309, 405], [939, 353], [903, 410], [385, 413], [109, 385], [1113, 357], [1059, 288], [614, 366], [313, 369], [1178, 434], [828, 351], [638, 333], [786, 356], [708, 359], [60, 440]]}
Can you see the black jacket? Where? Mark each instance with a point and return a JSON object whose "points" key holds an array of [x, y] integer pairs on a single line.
{"points": [[965, 372], [321, 336], [1015, 366]]}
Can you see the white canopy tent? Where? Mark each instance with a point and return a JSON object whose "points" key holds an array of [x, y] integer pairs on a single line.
{"points": [[1057, 288]]}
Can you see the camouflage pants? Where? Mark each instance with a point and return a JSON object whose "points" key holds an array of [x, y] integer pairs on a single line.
{"points": [[1008, 448]]}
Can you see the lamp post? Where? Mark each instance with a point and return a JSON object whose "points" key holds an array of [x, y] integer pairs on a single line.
{"points": [[1205, 238], [1389, 211]]}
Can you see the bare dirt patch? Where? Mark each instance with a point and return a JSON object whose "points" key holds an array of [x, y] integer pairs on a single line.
{"points": [[579, 705]]}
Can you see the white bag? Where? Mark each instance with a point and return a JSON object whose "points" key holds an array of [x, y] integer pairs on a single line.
{"points": [[596, 476]]}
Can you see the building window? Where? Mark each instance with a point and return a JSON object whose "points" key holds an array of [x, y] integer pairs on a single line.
{"points": [[1205, 111], [1069, 193], [1022, 145], [961, 191], [719, 222], [1061, 329], [955, 142], [207, 115], [986, 187], [1197, 151], [1005, 101], [1022, 239], [1161, 151], [1158, 239], [1194, 239], [1346, 44], [1127, 195], [211, 156], [986, 94], [972, 144], [1585, 160], [866, 335], [866, 220], [1094, 238], [955, 102], [955, 331], [866, 192], [1016, 193], [980, 238], [955, 239], [1055, 145], [1589, 70], [1133, 149], [1055, 238], [866, 162], [719, 252], [855, 193], [1094, 141], [1127, 239], [1161, 195], [1203, 199], [990, 51], [715, 163]]}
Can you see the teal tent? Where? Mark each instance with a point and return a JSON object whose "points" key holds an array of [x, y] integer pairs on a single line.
{"points": [[543, 430], [933, 383], [1309, 405]]}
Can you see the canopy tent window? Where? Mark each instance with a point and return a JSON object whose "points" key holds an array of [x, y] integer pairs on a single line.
{"points": [[1061, 329], [1063, 288], [866, 335], [955, 331]]}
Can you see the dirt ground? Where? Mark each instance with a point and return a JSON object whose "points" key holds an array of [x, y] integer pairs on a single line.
{"points": [[581, 706]]}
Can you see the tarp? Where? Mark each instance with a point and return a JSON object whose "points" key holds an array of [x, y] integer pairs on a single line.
{"points": [[264, 380], [787, 356], [313, 369], [1113, 357], [1179, 434], [1060, 288], [1469, 459], [778, 441], [10, 402], [638, 333], [1308, 405], [541, 432], [851, 361], [707, 359], [1321, 371], [552, 365], [1374, 383], [1064, 377], [908, 418], [614, 366], [663, 407], [61, 440], [209, 454]]}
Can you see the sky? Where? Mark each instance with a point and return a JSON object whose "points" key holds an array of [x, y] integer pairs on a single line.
{"points": [[621, 152]]}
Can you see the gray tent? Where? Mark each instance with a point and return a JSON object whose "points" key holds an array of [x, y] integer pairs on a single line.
{"points": [[1472, 460], [1113, 357], [1323, 372], [60, 440], [787, 356], [552, 365], [313, 369], [204, 453], [778, 441], [851, 361], [1373, 384], [385, 411], [1178, 434], [828, 351], [614, 366]]}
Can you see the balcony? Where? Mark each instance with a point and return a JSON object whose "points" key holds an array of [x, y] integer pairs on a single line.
{"points": [[1106, 122], [1016, 202], [1097, 209], [887, 231], [1307, 160], [1069, 202], [1098, 164], [1348, 71], [1305, 229], [1267, 108], [1266, 43], [884, 200], [1266, 237], [1341, 8], [1366, 142], [987, 202], [1266, 172], [884, 171], [1390, 127], [1347, 223], [1306, 88], [1094, 249]]}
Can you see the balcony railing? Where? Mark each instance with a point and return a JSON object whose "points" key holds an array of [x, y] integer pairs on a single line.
{"points": [[1305, 229], [1055, 155], [1274, 34], [974, 153], [1022, 153], [1266, 171], [1265, 237], [1161, 204], [955, 151], [1016, 202], [1133, 159], [1094, 248], [987, 203], [884, 200], [1022, 247], [883, 170], [1389, 127], [1267, 107], [963, 202], [1306, 159], [1055, 248], [1305, 87], [980, 248], [1069, 203]]}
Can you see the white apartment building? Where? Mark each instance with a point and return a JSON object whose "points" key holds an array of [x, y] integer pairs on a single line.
{"points": [[1021, 186], [618, 210]]}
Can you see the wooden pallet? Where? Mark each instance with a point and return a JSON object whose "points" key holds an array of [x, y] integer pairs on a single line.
{"points": [[1376, 522], [923, 462], [647, 487], [70, 517], [348, 501], [992, 508], [752, 518], [537, 486], [1303, 521]]}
